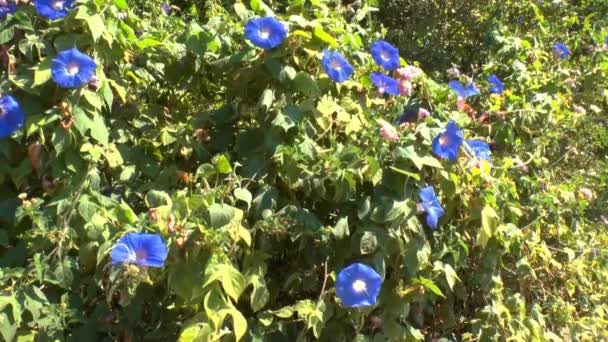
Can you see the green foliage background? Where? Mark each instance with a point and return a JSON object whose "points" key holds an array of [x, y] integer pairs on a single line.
{"points": [[266, 178]]}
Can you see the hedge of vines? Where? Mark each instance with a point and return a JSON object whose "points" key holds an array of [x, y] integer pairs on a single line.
{"points": [[285, 170]]}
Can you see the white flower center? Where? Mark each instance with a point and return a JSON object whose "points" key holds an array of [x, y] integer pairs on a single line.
{"points": [[58, 5], [335, 64], [385, 56], [443, 140], [3, 3], [359, 286], [2, 110], [72, 69], [265, 33]]}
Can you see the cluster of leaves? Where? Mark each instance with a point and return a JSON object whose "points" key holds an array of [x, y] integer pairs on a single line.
{"points": [[266, 178]]}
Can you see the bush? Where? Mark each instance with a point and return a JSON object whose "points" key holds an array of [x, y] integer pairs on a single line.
{"points": [[265, 179]]}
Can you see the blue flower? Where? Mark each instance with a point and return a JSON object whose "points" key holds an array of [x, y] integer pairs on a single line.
{"points": [[431, 206], [481, 149], [447, 143], [165, 7], [496, 86], [11, 116], [385, 83], [606, 40], [7, 8], [561, 50], [265, 32], [358, 285], [463, 92], [385, 55], [336, 66], [53, 9], [142, 249], [72, 68]]}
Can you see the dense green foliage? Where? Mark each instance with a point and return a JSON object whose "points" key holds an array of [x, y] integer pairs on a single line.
{"points": [[266, 178]]}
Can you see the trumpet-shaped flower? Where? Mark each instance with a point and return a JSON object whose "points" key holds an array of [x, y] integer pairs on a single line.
{"points": [[72, 68], [336, 66], [385, 55], [7, 8], [463, 92], [480, 149], [561, 50], [358, 285], [431, 206], [53, 9], [142, 249], [496, 86], [385, 84], [11, 116], [447, 143], [266, 33]]}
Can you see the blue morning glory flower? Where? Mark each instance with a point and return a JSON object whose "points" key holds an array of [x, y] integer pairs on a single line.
{"points": [[7, 8], [266, 32], [142, 249], [463, 92], [336, 66], [53, 9], [385, 55], [11, 116], [447, 143], [72, 68], [561, 50], [606, 40], [385, 83], [481, 149], [165, 7], [431, 206], [496, 86], [358, 285]]}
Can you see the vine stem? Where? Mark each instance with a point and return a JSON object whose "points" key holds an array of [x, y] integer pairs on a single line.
{"points": [[67, 216], [324, 280]]}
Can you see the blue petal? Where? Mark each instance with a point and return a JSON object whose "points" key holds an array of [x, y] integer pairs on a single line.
{"points": [[47, 9], [496, 86], [457, 87], [344, 285], [59, 68], [454, 138], [561, 50], [143, 249], [11, 116], [432, 216], [7, 9], [385, 83], [344, 69], [276, 32], [471, 90], [385, 55], [481, 149], [427, 195]]}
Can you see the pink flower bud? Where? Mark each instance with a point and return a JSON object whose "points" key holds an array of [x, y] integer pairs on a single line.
{"points": [[408, 73], [388, 131], [453, 72], [586, 193], [579, 110], [423, 114], [405, 87]]}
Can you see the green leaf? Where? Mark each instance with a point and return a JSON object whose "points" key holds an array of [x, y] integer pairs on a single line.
{"points": [[260, 294], [220, 215], [125, 213], [198, 332], [99, 131], [239, 323], [82, 121], [42, 72], [243, 195], [288, 117], [429, 284], [305, 84], [410, 153], [266, 99], [319, 33], [232, 281], [121, 4], [369, 243], [489, 223], [87, 209], [341, 229], [96, 26], [93, 99], [222, 164]]}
